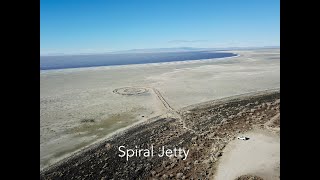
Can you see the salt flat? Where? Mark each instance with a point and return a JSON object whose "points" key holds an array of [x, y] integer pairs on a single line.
{"points": [[79, 107]]}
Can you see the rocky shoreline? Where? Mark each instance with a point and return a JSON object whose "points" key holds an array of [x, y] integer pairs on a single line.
{"points": [[203, 129]]}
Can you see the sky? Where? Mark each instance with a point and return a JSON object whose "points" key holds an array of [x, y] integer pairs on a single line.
{"points": [[97, 26]]}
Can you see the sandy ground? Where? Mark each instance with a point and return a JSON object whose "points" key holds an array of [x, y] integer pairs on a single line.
{"points": [[260, 156], [78, 106]]}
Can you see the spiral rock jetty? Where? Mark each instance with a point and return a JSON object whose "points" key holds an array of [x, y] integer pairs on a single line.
{"points": [[130, 91]]}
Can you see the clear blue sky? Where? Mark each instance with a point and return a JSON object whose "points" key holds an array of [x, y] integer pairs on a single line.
{"points": [[82, 26]]}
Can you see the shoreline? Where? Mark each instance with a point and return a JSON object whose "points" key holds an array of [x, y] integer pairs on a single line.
{"points": [[95, 68]]}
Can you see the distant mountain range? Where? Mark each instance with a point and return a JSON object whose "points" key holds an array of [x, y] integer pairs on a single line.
{"points": [[177, 49], [159, 50], [187, 49]]}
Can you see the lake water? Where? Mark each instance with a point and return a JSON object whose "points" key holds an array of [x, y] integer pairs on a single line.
{"points": [[77, 61]]}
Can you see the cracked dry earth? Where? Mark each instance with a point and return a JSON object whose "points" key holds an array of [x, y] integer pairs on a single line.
{"points": [[210, 126]]}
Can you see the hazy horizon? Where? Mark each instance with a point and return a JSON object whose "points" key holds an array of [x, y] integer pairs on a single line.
{"points": [[164, 49]]}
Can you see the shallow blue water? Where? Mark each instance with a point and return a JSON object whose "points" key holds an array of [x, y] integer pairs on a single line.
{"points": [[77, 61]]}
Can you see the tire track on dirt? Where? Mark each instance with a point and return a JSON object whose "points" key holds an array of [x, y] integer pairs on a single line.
{"points": [[171, 111]]}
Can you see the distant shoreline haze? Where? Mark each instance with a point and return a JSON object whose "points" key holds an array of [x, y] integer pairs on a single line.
{"points": [[95, 60]]}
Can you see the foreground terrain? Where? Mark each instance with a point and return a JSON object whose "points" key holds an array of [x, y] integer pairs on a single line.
{"points": [[208, 130], [83, 106]]}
